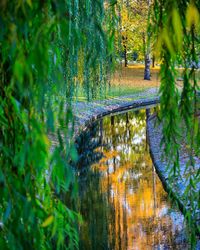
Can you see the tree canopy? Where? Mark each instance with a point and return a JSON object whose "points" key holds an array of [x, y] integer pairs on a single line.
{"points": [[134, 18]]}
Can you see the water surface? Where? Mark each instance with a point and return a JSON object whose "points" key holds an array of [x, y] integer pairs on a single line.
{"points": [[123, 203]]}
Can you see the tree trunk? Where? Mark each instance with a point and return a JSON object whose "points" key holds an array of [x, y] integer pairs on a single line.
{"points": [[124, 38], [147, 74], [127, 119], [125, 57], [153, 61]]}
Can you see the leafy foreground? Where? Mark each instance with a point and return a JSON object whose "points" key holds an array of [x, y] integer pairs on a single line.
{"points": [[45, 51], [177, 29]]}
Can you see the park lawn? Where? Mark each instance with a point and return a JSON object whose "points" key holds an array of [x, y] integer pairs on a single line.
{"points": [[131, 79], [126, 81]]}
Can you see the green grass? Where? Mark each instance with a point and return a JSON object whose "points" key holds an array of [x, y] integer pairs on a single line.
{"points": [[125, 82]]}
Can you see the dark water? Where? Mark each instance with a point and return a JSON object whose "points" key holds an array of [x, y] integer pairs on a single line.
{"points": [[123, 203]]}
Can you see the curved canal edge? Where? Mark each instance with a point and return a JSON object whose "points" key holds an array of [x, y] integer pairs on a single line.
{"points": [[101, 111], [177, 188]]}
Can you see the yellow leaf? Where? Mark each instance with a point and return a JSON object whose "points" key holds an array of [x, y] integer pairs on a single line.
{"points": [[192, 16], [167, 41], [177, 25], [29, 3], [48, 221], [158, 47]]}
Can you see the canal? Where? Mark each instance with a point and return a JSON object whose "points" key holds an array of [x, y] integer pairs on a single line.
{"points": [[121, 198]]}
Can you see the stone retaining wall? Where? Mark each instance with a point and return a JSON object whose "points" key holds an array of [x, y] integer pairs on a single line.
{"points": [[176, 186]]}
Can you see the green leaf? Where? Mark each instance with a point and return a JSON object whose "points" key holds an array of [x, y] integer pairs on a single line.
{"points": [[74, 154], [8, 211], [19, 71], [50, 119], [113, 2]]}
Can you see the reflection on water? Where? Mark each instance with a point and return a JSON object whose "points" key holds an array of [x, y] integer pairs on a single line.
{"points": [[123, 203]]}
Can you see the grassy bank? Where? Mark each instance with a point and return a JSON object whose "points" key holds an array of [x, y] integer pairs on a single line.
{"points": [[126, 81], [129, 80]]}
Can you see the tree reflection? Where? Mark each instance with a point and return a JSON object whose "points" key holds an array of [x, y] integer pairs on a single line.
{"points": [[122, 201]]}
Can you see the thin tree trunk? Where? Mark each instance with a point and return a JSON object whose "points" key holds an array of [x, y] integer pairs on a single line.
{"points": [[125, 50], [153, 61], [147, 73], [125, 57]]}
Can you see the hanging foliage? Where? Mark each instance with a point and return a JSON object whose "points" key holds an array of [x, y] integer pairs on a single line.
{"points": [[41, 46], [177, 28]]}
